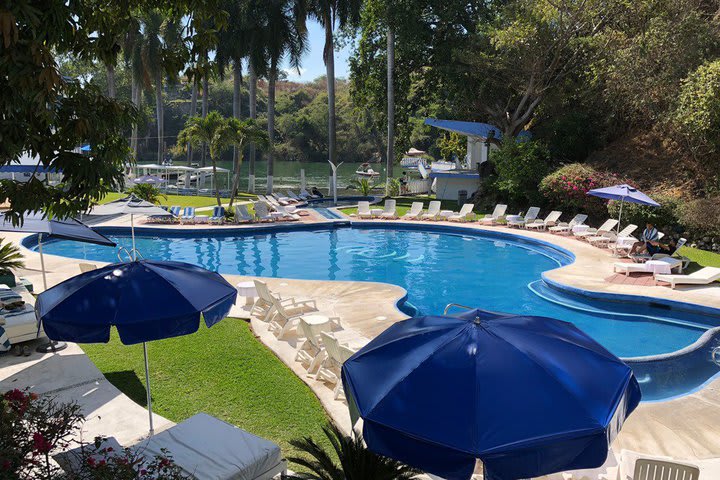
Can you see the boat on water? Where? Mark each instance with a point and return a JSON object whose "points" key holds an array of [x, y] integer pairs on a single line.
{"points": [[366, 171]]}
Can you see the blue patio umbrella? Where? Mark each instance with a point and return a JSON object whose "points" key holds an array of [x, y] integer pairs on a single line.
{"points": [[144, 300], [623, 193], [527, 396], [150, 180]]}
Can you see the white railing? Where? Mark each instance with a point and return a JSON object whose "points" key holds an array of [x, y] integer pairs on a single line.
{"points": [[418, 186]]}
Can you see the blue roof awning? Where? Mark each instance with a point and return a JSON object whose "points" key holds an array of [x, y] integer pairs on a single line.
{"points": [[471, 129]]}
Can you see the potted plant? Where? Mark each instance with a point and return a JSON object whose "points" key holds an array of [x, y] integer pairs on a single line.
{"points": [[10, 257]]}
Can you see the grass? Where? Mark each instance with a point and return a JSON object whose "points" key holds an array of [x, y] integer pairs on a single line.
{"points": [[224, 371], [183, 200], [700, 258]]}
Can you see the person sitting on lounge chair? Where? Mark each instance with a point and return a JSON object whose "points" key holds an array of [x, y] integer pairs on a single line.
{"points": [[317, 192], [648, 241]]}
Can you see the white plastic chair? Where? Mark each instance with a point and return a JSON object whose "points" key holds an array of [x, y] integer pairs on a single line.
{"points": [[433, 211], [415, 211]]}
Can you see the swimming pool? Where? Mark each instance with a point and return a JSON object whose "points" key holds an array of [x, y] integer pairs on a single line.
{"points": [[437, 265]]}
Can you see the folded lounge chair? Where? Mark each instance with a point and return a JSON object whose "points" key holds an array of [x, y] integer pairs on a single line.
{"points": [[704, 276], [594, 232], [549, 221], [433, 211], [464, 215], [529, 217], [218, 215], [566, 227], [364, 210], [415, 211], [492, 219], [242, 215], [389, 210]]}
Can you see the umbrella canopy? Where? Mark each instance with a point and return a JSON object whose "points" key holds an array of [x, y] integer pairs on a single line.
{"points": [[149, 179], [130, 204], [145, 300], [625, 193], [526, 395], [69, 229]]}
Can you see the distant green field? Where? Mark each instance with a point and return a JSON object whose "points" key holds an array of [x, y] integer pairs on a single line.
{"points": [[700, 258], [182, 200]]}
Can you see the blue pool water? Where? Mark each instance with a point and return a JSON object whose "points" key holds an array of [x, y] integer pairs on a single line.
{"points": [[436, 267]]}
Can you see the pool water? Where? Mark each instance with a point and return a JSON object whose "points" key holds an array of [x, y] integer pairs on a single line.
{"points": [[437, 266]]}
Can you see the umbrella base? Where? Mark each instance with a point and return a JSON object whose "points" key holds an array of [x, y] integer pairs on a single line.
{"points": [[51, 346]]}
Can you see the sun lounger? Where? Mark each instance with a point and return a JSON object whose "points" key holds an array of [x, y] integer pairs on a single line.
{"points": [[20, 323], [606, 238], [685, 260], [288, 213], [188, 215], [87, 267], [464, 215], [389, 210], [549, 221], [305, 194], [282, 200], [497, 213], [262, 212], [433, 211], [311, 352], [287, 314], [704, 276], [566, 227], [337, 352], [595, 232], [648, 267], [638, 466], [294, 196], [415, 211], [364, 210], [264, 306], [242, 215], [218, 215], [529, 217]]}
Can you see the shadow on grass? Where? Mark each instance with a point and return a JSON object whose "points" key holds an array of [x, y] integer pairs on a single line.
{"points": [[128, 382]]}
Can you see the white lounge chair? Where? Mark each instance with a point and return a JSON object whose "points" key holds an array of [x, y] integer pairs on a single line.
{"points": [[594, 232], [433, 211], [529, 217], [637, 466], [606, 238], [685, 260], [265, 304], [549, 221], [415, 211], [647, 267], [262, 212], [566, 227], [87, 267], [242, 215], [311, 352], [497, 213], [364, 210], [704, 276], [464, 215], [294, 196], [305, 194], [288, 213], [389, 209]]}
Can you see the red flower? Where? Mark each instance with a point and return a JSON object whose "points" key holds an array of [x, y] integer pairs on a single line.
{"points": [[40, 444], [143, 472]]}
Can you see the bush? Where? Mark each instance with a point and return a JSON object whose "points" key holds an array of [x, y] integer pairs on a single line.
{"points": [[698, 112], [147, 192], [700, 217], [663, 217], [520, 166], [566, 189]]}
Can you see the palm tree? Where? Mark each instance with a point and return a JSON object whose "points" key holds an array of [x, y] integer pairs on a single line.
{"points": [[390, 108], [160, 52], [285, 34], [356, 461], [242, 133], [327, 12]]}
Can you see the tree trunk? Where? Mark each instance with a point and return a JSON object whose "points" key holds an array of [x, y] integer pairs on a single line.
{"points": [[271, 126], [215, 178], [330, 69], [193, 111], [252, 93], [111, 80], [205, 99], [236, 180], [237, 153], [160, 116], [135, 93], [390, 156]]}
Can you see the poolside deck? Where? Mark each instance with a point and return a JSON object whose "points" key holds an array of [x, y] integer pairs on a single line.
{"points": [[684, 428]]}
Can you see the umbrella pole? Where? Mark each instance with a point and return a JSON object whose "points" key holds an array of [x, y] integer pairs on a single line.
{"points": [[42, 262], [622, 201], [147, 388], [132, 230]]}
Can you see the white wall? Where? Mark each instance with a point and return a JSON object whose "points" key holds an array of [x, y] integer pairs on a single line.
{"points": [[447, 188]]}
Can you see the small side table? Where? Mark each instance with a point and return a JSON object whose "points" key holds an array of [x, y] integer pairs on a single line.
{"points": [[446, 214], [247, 290], [375, 212]]}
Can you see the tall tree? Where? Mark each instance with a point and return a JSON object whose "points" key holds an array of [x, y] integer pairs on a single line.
{"points": [[328, 13], [390, 159], [285, 35]]}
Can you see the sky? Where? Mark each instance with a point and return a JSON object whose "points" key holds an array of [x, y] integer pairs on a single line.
{"points": [[312, 62]]}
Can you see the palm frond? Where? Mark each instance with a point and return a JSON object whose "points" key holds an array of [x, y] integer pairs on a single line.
{"points": [[10, 257]]}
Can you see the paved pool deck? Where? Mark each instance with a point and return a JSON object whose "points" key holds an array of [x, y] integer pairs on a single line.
{"points": [[684, 428]]}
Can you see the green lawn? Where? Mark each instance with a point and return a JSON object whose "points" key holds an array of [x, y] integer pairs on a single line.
{"points": [[700, 258], [224, 371], [183, 200]]}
